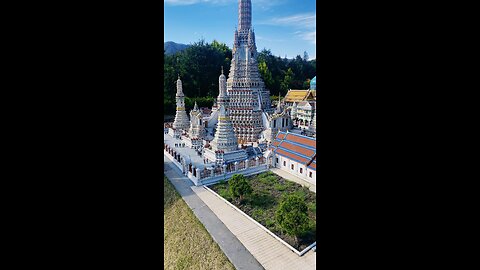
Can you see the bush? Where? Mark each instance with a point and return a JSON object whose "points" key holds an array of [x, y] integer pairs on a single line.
{"points": [[312, 206], [225, 194], [300, 193], [292, 215], [258, 214], [239, 187], [270, 223], [280, 187]]}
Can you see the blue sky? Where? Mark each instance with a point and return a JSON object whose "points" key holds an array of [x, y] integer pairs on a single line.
{"points": [[286, 27]]}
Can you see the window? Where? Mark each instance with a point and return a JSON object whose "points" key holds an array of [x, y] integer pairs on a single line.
{"points": [[310, 175], [284, 163], [301, 170], [293, 167], [276, 160]]}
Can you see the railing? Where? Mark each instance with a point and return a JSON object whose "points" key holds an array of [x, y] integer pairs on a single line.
{"points": [[225, 176]]}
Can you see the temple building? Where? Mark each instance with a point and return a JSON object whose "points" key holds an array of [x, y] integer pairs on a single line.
{"points": [[295, 154], [197, 129], [296, 96], [242, 133], [249, 100], [181, 123], [304, 114], [280, 120], [313, 126]]}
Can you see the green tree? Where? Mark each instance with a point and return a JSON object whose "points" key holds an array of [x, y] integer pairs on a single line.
{"points": [[305, 56], [287, 80], [199, 68], [306, 84], [292, 215], [239, 187], [266, 75]]}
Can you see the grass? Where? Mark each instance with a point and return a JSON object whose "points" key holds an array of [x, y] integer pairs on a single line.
{"points": [[186, 243], [268, 190]]}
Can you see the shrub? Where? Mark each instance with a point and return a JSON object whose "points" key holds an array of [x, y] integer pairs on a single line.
{"points": [[258, 214], [225, 194], [312, 206], [292, 215], [239, 187], [270, 223], [300, 193], [280, 187]]}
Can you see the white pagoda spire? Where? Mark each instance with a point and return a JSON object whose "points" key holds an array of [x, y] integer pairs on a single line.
{"points": [[225, 139], [222, 98], [244, 14], [279, 106], [181, 118]]}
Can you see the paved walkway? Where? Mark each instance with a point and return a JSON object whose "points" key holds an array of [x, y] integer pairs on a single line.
{"points": [[294, 178], [270, 252], [235, 251]]}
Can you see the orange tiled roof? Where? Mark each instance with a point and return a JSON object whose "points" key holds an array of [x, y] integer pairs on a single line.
{"points": [[296, 147], [291, 155], [302, 139]]}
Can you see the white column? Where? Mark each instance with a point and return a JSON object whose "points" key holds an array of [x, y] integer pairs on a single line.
{"points": [[198, 173], [236, 166], [246, 164], [256, 162]]}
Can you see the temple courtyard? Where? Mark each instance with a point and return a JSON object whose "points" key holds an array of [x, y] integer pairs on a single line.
{"points": [[244, 242]]}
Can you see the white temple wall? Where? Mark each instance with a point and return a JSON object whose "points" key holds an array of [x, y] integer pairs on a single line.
{"points": [[305, 171]]}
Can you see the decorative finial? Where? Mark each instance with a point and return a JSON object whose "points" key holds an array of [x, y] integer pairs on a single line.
{"points": [[222, 69], [179, 76]]}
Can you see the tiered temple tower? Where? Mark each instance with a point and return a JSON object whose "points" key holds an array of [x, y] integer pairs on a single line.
{"points": [[248, 96], [224, 139], [181, 118]]}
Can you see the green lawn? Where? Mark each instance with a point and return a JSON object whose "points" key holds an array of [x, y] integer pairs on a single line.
{"points": [[268, 189], [186, 243]]}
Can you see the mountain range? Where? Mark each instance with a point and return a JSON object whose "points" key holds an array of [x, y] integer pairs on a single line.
{"points": [[171, 47]]}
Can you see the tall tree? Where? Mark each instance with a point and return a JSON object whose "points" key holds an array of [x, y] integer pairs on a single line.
{"points": [[287, 80], [266, 75], [305, 56]]}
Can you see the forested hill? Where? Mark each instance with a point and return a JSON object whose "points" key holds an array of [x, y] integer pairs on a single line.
{"points": [[171, 47], [199, 68]]}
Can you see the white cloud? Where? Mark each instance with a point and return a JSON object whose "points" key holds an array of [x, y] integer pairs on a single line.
{"points": [[300, 20], [309, 36], [303, 22]]}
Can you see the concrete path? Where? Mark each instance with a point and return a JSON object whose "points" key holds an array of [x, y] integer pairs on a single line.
{"points": [[270, 252], [294, 178], [240, 257]]}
